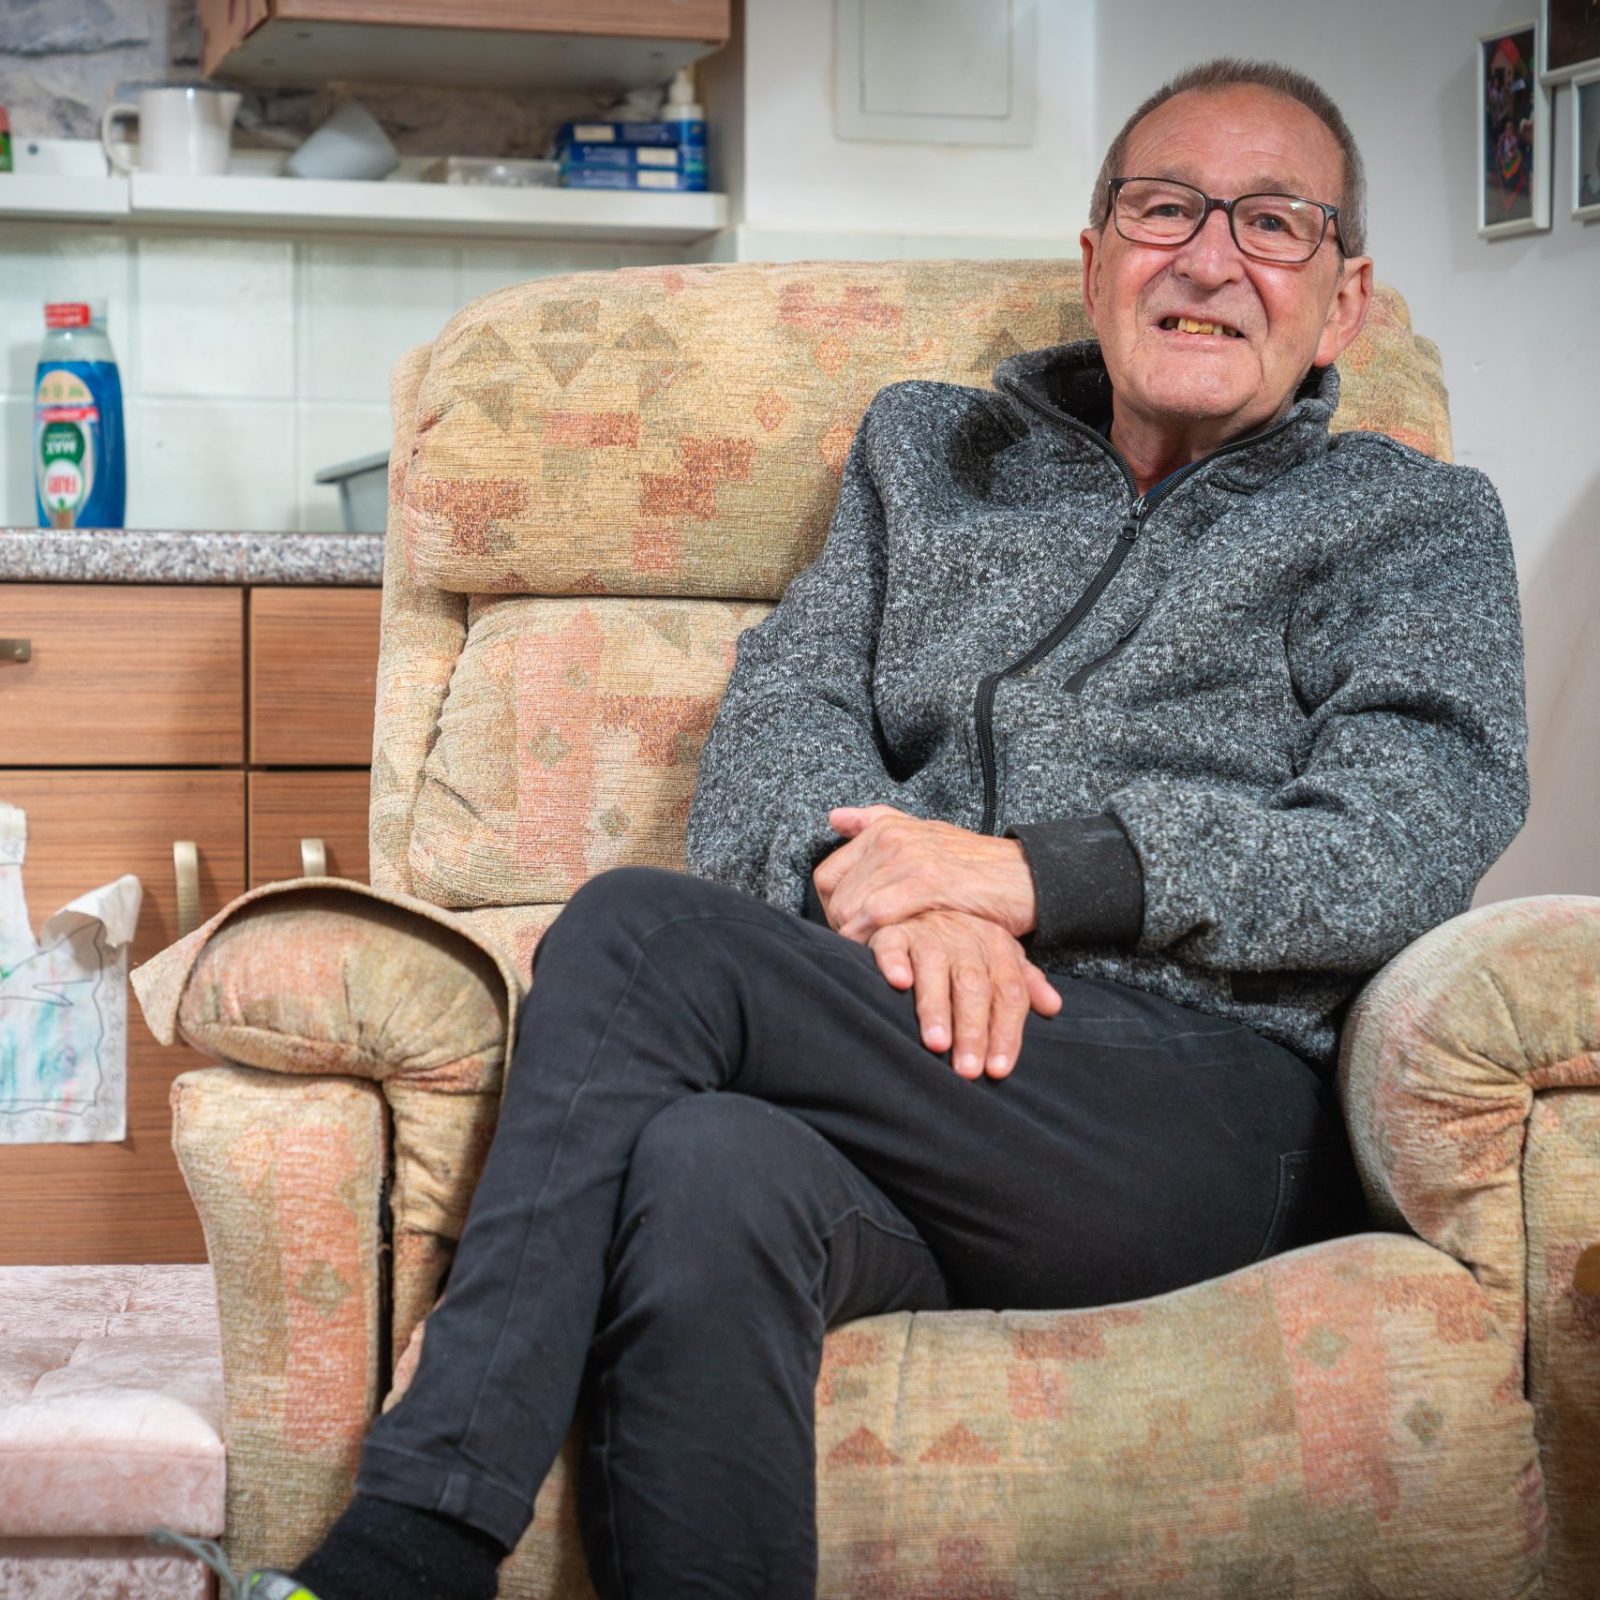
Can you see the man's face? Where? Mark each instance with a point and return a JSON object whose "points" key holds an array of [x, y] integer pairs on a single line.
{"points": [[1283, 319]]}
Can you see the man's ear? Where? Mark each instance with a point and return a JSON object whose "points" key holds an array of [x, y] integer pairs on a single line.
{"points": [[1089, 243], [1347, 311]]}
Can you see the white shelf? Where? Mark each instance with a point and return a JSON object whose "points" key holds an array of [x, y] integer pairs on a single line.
{"points": [[33, 196], [244, 201]]}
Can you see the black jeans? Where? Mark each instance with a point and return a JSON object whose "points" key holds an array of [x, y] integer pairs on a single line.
{"points": [[722, 1135]]}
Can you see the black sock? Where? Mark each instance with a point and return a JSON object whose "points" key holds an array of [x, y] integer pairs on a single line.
{"points": [[381, 1550]]}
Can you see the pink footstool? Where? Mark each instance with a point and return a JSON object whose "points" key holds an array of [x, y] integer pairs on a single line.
{"points": [[110, 1422]]}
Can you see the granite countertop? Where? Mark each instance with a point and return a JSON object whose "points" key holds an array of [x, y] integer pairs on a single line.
{"points": [[151, 555]]}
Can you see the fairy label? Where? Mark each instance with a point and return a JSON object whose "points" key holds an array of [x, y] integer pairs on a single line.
{"points": [[65, 420]]}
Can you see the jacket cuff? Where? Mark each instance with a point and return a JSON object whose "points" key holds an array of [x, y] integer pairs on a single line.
{"points": [[1087, 881]]}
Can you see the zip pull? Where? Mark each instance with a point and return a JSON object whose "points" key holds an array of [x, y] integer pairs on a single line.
{"points": [[1130, 528]]}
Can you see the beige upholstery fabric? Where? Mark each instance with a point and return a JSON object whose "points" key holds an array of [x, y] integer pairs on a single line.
{"points": [[422, 633], [288, 1176], [372, 938], [1469, 1068], [568, 742], [320, 982]]}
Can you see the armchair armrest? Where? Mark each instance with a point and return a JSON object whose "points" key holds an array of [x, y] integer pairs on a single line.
{"points": [[288, 1178], [326, 1000], [1470, 1073], [326, 975], [330, 977], [1440, 1060]]}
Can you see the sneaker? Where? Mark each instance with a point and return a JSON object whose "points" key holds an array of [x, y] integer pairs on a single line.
{"points": [[264, 1583]]}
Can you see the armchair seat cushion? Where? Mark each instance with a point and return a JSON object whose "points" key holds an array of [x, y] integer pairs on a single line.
{"points": [[1360, 1430]]}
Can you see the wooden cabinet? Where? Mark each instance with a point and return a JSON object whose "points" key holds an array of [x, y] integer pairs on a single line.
{"points": [[126, 729], [124, 1201], [513, 44], [124, 675], [295, 815], [313, 676]]}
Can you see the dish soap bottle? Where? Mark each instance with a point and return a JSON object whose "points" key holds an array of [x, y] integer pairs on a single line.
{"points": [[80, 471]]}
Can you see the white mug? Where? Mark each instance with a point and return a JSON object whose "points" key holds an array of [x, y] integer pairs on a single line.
{"points": [[184, 130]]}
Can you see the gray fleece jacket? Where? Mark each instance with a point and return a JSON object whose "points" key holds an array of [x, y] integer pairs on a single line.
{"points": [[1256, 730]]}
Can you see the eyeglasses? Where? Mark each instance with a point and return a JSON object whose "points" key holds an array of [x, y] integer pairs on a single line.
{"points": [[1281, 228]]}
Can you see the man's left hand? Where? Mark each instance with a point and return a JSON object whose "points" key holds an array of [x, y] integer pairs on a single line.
{"points": [[893, 866]]}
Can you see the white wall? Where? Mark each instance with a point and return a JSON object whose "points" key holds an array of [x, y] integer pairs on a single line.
{"points": [[1517, 321], [807, 192]]}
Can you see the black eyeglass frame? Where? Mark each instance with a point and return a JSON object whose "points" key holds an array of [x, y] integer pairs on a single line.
{"points": [[1330, 214]]}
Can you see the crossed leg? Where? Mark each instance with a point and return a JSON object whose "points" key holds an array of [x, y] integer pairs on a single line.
{"points": [[1134, 1149]]}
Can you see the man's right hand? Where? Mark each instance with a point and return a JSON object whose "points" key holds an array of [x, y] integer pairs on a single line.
{"points": [[975, 986]]}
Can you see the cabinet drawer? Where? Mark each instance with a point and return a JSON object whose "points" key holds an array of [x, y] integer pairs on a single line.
{"points": [[122, 675], [313, 676], [118, 1202], [288, 807]]}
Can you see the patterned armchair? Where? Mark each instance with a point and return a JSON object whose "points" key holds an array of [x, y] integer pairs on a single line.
{"points": [[597, 482]]}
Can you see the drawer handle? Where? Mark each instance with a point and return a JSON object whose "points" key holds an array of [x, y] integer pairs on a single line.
{"points": [[186, 869], [313, 859], [16, 649]]}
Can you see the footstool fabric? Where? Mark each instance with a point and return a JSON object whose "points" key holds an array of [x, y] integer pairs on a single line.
{"points": [[110, 1407], [99, 1569]]}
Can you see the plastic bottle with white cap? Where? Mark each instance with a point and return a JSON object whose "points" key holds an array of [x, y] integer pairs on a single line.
{"points": [[80, 469], [686, 113]]}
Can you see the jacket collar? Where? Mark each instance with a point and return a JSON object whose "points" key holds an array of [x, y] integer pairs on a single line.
{"points": [[1067, 385]]}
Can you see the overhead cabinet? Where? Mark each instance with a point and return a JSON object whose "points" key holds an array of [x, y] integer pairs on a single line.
{"points": [[603, 45]]}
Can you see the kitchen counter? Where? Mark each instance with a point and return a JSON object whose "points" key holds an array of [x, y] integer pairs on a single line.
{"points": [[150, 555]]}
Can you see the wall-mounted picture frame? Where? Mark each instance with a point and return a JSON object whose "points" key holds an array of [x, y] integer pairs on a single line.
{"points": [[1586, 147], [1569, 37], [1513, 134]]}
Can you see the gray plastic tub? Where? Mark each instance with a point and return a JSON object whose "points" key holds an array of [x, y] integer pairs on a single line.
{"points": [[363, 491]]}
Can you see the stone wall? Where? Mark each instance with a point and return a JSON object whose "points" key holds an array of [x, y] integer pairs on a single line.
{"points": [[62, 62]]}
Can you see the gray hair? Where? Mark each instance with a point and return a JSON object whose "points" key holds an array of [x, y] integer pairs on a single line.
{"points": [[1228, 72]]}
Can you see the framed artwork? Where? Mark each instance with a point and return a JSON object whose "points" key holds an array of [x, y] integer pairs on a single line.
{"points": [[1570, 38], [1586, 147], [1513, 134]]}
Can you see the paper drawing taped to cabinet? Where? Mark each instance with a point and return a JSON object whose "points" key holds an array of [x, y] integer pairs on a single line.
{"points": [[63, 1006]]}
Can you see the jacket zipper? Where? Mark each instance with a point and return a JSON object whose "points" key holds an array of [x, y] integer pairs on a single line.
{"points": [[1143, 505]]}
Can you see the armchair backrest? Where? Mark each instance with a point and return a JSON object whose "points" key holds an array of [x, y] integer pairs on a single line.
{"points": [[599, 480]]}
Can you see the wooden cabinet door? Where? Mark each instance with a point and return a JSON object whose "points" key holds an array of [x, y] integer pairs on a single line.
{"points": [[313, 676], [125, 1202], [122, 674], [288, 807]]}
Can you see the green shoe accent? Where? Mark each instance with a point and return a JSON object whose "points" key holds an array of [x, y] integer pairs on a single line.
{"points": [[268, 1585], [264, 1583]]}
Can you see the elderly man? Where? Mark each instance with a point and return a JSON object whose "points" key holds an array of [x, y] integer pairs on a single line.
{"points": [[1125, 723]]}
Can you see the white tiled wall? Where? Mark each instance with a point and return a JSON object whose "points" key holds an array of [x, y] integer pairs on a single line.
{"points": [[247, 364]]}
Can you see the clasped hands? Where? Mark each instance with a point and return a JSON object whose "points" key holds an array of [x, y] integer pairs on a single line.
{"points": [[945, 909]]}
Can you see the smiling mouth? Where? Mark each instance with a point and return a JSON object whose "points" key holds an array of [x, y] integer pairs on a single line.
{"points": [[1189, 325]]}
